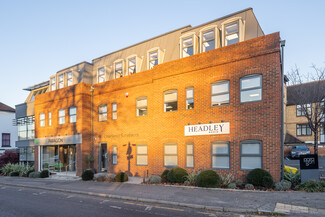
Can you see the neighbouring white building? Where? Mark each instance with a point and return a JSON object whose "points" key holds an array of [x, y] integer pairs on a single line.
{"points": [[8, 131]]}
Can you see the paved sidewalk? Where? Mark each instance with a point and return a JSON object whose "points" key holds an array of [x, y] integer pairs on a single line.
{"points": [[214, 199]]}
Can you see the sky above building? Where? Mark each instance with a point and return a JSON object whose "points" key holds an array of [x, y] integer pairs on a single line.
{"points": [[39, 38]]}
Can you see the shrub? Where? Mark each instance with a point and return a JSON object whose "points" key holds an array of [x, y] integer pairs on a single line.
{"points": [[87, 175], [226, 180], [311, 186], [177, 175], [208, 178], [192, 177], [249, 186], [284, 185], [239, 182], [9, 157], [232, 185], [187, 183], [294, 178], [35, 175], [14, 174], [7, 169], [121, 177], [44, 174], [260, 177], [154, 179], [164, 176]]}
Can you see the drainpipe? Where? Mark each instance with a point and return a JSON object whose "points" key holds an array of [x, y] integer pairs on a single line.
{"points": [[92, 129], [282, 44]]}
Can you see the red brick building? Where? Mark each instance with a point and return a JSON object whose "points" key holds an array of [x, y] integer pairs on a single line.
{"points": [[215, 109]]}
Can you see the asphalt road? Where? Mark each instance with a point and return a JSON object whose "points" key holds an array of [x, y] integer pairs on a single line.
{"points": [[26, 202]]}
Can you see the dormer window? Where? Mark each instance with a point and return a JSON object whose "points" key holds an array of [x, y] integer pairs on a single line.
{"points": [[69, 78], [101, 75], [61, 81], [132, 69], [188, 47], [208, 40], [153, 59], [119, 69], [231, 33]]}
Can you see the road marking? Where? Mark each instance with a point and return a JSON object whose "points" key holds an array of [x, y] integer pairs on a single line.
{"points": [[129, 203], [104, 201], [205, 213], [43, 192], [116, 207], [161, 207], [148, 208], [70, 196]]}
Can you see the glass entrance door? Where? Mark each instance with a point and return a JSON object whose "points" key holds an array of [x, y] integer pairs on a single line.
{"points": [[68, 157], [103, 158]]}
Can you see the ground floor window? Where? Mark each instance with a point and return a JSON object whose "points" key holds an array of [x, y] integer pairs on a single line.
{"points": [[27, 155], [220, 155], [114, 155], [251, 154], [58, 158], [142, 155], [170, 155], [6, 140], [190, 155]]}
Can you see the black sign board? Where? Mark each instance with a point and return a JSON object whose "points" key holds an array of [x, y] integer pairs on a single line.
{"points": [[309, 161]]}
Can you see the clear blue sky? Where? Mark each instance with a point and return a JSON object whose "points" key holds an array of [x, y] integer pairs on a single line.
{"points": [[38, 38]]}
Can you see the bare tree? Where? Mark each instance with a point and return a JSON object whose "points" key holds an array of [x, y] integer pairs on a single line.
{"points": [[309, 97]]}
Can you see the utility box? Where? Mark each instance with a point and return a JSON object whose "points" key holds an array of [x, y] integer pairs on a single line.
{"points": [[309, 167]]}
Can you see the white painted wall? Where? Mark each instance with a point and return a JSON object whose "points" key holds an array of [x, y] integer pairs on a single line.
{"points": [[6, 126]]}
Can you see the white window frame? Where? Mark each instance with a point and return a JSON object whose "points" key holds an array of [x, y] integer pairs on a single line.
{"points": [[188, 98], [53, 83], [145, 155], [69, 78], [138, 107], [166, 102], [189, 155], [220, 93], [100, 74], [102, 114], [170, 155], [42, 119], [72, 115], [114, 111], [241, 29], [50, 118], [61, 81], [251, 88], [160, 56], [194, 43], [132, 65], [61, 118], [260, 155], [216, 36], [223, 155], [114, 155], [123, 68]]}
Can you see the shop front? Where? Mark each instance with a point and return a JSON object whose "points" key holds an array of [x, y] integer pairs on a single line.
{"points": [[58, 154]]}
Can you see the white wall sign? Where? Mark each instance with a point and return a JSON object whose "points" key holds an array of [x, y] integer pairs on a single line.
{"points": [[59, 140], [207, 129]]}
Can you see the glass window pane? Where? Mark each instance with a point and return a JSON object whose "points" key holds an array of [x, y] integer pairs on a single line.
{"points": [[188, 51], [153, 55], [220, 99], [220, 149], [253, 148], [231, 28], [250, 82], [189, 161], [114, 149], [187, 42], [251, 95], [73, 110], [189, 93], [114, 159], [208, 35], [190, 104], [171, 106], [142, 111], [132, 62], [103, 109], [142, 160], [114, 107], [209, 45], [170, 97], [153, 63], [189, 149], [170, 160], [61, 113], [142, 103], [220, 87], [232, 39], [220, 162], [170, 149], [142, 149], [251, 162]]}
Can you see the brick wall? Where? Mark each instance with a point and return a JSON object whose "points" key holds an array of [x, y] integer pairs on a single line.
{"points": [[256, 120]]}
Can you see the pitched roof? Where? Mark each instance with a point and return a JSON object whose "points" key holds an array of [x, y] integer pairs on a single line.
{"points": [[6, 108], [306, 93], [291, 139]]}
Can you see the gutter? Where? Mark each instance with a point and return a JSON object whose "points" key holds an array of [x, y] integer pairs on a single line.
{"points": [[282, 44]]}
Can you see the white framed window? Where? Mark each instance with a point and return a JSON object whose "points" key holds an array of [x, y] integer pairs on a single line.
{"points": [[188, 47], [114, 111], [119, 69], [132, 66], [62, 116], [114, 154], [61, 81], [102, 113], [142, 155], [101, 74], [50, 118], [170, 155], [208, 40], [231, 33], [73, 114], [170, 100], [250, 154], [220, 93], [42, 119], [251, 88], [303, 130], [189, 155], [141, 104], [220, 155], [190, 98], [153, 59], [301, 109], [69, 78], [53, 83]]}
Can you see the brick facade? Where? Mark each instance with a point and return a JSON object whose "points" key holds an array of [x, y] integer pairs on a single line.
{"points": [[256, 120]]}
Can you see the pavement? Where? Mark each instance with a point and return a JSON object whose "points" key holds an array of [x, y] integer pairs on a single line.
{"points": [[242, 201]]}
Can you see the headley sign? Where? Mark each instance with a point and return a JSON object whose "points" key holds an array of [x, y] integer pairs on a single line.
{"points": [[207, 129]]}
